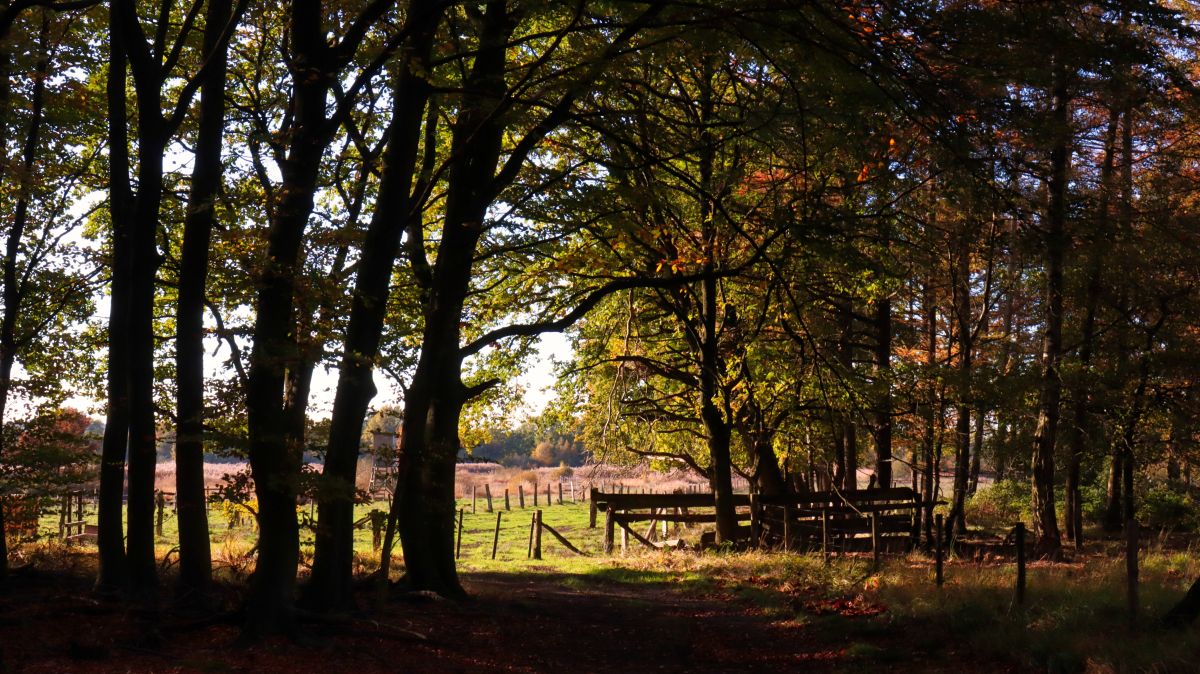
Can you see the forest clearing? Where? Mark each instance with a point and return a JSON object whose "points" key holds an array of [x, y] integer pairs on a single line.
{"points": [[670, 611]]}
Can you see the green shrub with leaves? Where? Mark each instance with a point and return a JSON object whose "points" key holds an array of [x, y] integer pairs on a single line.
{"points": [[1165, 508], [998, 505]]}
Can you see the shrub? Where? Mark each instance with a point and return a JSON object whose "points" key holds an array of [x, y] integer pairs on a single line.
{"points": [[998, 505], [1165, 508]]}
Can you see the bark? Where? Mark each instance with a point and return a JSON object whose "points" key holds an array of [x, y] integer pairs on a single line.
{"points": [[956, 521], [113, 565], [195, 556], [330, 587], [1045, 521], [846, 447], [1187, 610], [883, 412], [434, 400], [927, 411], [1114, 496], [1076, 433], [276, 377], [977, 452]]}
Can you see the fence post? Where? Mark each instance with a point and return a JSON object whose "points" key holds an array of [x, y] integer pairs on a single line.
{"points": [[608, 529], [496, 536], [521, 496], [458, 546], [825, 535], [532, 524], [755, 523], [787, 527], [472, 499], [487, 493], [537, 535], [1131, 568], [535, 494], [506, 505], [547, 494], [592, 511], [937, 547], [875, 540], [160, 501], [560, 502], [1019, 535]]}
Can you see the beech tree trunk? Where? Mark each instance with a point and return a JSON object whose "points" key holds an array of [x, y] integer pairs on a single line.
{"points": [[883, 412], [956, 522], [113, 572], [434, 400], [195, 556], [330, 586], [1045, 520], [276, 378]]}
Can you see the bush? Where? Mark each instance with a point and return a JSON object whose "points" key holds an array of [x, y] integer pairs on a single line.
{"points": [[1165, 508], [998, 505]]}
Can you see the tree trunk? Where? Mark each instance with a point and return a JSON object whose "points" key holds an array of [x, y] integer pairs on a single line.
{"points": [[977, 452], [110, 540], [275, 452], [330, 587], [927, 411], [1045, 522], [1187, 610], [956, 522], [1076, 433], [883, 412], [434, 400], [195, 556]]}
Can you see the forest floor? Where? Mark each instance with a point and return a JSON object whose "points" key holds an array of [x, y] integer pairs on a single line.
{"points": [[617, 620], [639, 611]]}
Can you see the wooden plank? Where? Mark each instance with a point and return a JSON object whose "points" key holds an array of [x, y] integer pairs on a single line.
{"points": [[562, 539]]}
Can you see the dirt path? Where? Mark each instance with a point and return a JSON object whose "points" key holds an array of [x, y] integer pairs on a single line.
{"points": [[515, 623]]}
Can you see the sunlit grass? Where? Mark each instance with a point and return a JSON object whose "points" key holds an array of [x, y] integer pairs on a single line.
{"points": [[1074, 617]]}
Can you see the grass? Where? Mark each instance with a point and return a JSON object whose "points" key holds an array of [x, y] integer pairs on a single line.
{"points": [[1074, 617]]}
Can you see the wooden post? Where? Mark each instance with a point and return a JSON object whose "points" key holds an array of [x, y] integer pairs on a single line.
{"points": [[532, 524], [63, 515], [487, 493], [608, 530], [875, 540], [592, 512], [1131, 569], [458, 546], [825, 535], [161, 501], [937, 548], [496, 536], [560, 502], [755, 523], [537, 535], [521, 496], [1019, 536], [535, 495], [79, 511], [787, 527], [472, 499], [506, 505], [547, 494]]}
